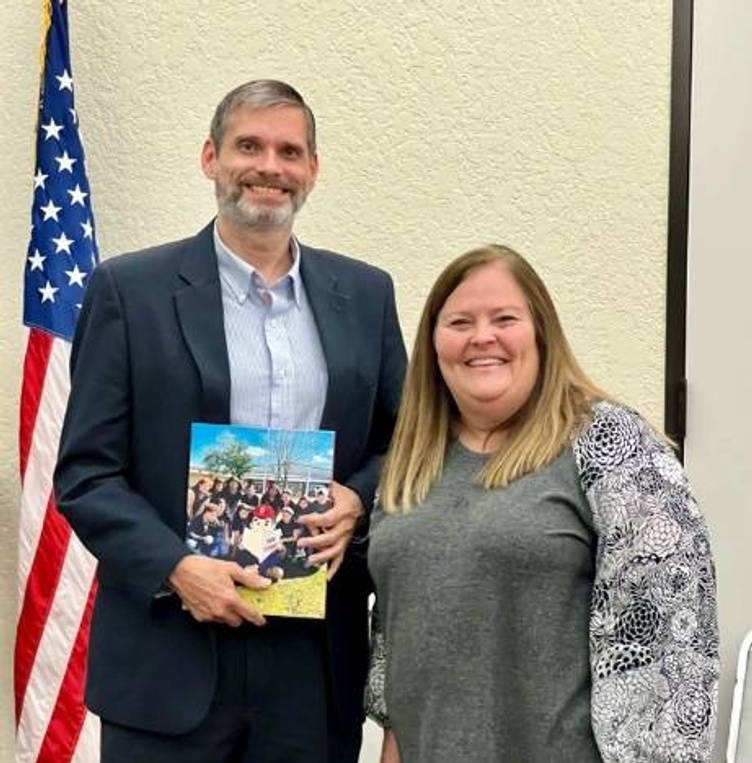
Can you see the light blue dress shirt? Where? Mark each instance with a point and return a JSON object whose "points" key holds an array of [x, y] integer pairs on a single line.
{"points": [[278, 370]]}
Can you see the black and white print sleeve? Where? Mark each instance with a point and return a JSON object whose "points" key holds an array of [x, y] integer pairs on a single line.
{"points": [[653, 628], [375, 701]]}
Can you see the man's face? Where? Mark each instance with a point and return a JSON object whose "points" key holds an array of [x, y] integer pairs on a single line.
{"points": [[263, 169]]}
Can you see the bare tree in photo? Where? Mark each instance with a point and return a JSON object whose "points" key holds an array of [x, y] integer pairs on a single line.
{"points": [[284, 451], [290, 451]]}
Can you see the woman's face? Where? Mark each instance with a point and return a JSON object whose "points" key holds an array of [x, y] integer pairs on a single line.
{"points": [[485, 346]]}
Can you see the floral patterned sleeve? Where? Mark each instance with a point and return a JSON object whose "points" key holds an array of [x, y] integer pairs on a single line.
{"points": [[653, 628], [375, 702]]}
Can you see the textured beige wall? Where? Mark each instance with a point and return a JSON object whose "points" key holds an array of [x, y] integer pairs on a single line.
{"points": [[443, 125]]}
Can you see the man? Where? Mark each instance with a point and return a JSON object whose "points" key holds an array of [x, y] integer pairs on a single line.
{"points": [[238, 324], [289, 531], [287, 502]]}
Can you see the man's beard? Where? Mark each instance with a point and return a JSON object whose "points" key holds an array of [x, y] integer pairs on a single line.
{"points": [[247, 214]]}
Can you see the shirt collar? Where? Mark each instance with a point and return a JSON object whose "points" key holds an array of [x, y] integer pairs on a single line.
{"points": [[240, 277]]}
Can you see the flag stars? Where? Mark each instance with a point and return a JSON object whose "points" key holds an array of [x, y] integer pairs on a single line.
{"points": [[77, 195], [52, 130], [63, 243], [39, 179], [51, 211], [36, 260], [65, 80], [48, 292], [76, 276], [65, 163], [61, 256]]}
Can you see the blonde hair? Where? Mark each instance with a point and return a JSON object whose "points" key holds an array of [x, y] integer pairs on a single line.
{"points": [[558, 405]]}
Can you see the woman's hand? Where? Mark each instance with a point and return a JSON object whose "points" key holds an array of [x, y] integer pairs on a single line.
{"points": [[389, 749]]}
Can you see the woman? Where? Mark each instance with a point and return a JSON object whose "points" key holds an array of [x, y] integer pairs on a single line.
{"points": [[544, 580], [232, 496], [198, 495]]}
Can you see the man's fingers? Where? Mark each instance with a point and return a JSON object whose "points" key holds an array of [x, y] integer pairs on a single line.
{"points": [[208, 589], [334, 565], [231, 619], [250, 614], [250, 577], [329, 553], [332, 530], [318, 521], [232, 610], [327, 528], [328, 538]]}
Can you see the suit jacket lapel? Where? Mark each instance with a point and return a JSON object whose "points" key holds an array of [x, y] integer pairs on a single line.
{"points": [[198, 303], [330, 306]]}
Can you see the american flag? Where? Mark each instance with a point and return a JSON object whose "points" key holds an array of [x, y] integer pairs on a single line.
{"points": [[56, 574]]}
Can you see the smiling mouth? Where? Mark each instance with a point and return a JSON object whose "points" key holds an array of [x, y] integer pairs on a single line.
{"points": [[485, 362], [265, 190]]}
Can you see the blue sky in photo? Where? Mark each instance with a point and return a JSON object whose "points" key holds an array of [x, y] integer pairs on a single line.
{"points": [[312, 449]]}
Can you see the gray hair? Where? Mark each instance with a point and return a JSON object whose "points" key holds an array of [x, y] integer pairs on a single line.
{"points": [[261, 94]]}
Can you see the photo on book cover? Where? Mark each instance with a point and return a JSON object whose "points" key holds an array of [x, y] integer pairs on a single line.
{"points": [[247, 489]]}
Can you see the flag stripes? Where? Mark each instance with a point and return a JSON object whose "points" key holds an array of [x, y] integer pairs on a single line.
{"points": [[55, 573]]}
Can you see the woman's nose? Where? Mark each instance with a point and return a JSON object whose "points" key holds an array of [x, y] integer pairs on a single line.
{"points": [[483, 333]]}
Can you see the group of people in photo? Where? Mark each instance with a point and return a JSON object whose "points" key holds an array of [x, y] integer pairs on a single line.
{"points": [[253, 523]]}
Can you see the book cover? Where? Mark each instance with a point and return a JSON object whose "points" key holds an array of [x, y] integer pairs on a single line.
{"points": [[247, 489]]}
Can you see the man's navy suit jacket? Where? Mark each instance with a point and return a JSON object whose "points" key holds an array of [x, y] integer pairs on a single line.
{"points": [[149, 357]]}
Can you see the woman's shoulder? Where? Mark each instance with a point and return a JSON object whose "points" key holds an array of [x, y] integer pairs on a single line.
{"points": [[614, 436], [613, 427]]}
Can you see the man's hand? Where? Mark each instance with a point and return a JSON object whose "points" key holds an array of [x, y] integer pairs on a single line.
{"points": [[207, 589], [333, 529]]}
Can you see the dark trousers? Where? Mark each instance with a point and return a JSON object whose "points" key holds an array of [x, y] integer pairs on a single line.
{"points": [[272, 705]]}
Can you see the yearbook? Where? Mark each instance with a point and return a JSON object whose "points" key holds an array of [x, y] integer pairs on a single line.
{"points": [[247, 490]]}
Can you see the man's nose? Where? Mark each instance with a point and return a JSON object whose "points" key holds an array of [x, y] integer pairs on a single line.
{"points": [[269, 162]]}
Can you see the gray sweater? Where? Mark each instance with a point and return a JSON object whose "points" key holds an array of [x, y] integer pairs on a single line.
{"points": [[567, 617], [485, 596]]}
